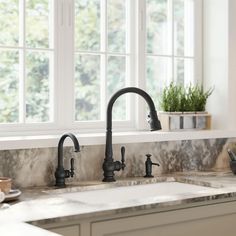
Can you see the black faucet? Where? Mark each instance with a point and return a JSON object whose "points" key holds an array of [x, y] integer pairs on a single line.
{"points": [[109, 165], [148, 166], [61, 173]]}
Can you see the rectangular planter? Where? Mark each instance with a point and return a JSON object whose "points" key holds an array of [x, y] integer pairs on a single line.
{"points": [[178, 121]]}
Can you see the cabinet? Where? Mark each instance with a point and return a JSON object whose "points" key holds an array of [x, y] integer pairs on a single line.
{"points": [[215, 219], [204, 221]]}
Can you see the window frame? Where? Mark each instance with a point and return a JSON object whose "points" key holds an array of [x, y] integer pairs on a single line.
{"points": [[9, 129], [100, 124], [64, 68], [198, 53]]}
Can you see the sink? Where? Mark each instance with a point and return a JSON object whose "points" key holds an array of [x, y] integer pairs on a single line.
{"points": [[156, 192]]}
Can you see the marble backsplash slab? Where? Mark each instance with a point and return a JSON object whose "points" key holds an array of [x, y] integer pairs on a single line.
{"points": [[36, 167]]}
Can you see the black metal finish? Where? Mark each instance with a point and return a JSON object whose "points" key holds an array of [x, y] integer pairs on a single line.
{"points": [[232, 155], [148, 166], [109, 166], [122, 158], [61, 173]]}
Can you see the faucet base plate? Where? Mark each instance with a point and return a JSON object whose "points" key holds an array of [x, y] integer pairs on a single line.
{"points": [[108, 179]]}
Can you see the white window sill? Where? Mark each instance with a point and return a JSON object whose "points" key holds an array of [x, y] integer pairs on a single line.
{"points": [[43, 141]]}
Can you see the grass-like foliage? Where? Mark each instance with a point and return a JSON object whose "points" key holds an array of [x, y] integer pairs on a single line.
{"points": [[177, 98]]}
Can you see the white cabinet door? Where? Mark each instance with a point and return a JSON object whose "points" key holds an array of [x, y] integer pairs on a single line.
{"points": [[214, 220]]}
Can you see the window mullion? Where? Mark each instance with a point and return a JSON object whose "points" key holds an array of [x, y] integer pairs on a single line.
{"points": [[53, 62], [141, 63], [198, 41], [59, 62], [22, 70], [65, 63], [172, 36], [129, 62], [70, 65], [103, 58]]}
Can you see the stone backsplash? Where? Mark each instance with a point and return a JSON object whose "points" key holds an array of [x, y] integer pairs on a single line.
{"points": [[36, 167]]}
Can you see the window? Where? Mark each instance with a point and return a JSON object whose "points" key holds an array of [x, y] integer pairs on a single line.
{"points": [[61, 60], [170, 38], [102, 57], [26, 61]]}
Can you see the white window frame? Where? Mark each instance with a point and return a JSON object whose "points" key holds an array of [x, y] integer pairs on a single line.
{"points": [[10, 129], [64, 68], [141, 69], [91, 126]]}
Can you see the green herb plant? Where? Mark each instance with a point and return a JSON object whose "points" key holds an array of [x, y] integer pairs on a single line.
{"points": [[170, 100], [177, 98], [198, 97]]}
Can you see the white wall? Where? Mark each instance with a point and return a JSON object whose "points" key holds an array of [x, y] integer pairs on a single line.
{"points": [[220, 61], [216, 59], [232, 64]]}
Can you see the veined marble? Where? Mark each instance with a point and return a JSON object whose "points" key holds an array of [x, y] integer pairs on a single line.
{"points": [[16, 229], [36, 167], [41, 208]]}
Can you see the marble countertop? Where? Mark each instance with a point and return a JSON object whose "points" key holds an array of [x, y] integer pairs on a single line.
{"points": [[46, 205], [16, 229]]}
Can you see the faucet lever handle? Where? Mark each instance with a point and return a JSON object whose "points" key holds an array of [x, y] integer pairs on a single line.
{"points": [[71, 172], [149, 159], [122, 157], [72, 167]]}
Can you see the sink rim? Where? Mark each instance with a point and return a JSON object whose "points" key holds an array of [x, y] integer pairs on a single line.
{"points": [[120, 195], [99, 185]]}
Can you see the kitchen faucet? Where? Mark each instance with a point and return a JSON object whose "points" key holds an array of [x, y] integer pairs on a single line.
{"points": [[109, 165], [61, 173]]}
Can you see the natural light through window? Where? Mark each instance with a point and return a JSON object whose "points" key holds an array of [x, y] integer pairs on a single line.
{"points": [[26, 61], [62, 60], [169, 44], [101, 57]]}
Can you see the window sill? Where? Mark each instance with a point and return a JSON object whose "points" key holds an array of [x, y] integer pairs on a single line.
{"points": [[43, 141]]}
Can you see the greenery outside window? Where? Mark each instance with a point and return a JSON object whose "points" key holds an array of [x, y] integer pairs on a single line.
{"points": [[61, 60], [26, 61]]}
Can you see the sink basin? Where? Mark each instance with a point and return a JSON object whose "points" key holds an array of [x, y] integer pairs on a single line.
{"points": [[157, 192]]}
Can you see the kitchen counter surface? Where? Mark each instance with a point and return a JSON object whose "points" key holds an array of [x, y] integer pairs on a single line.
{"points": [[16, 229], [47, 205]]}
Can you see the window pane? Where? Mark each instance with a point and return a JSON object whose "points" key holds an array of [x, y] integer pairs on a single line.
{"points": [[184, 27], [87, 25], [116, 25], [87, 87], [184, 71], [9, 77], [38, 25], [158, 24], [9, 21], [158, 74], [116, 75], [37, 87]]}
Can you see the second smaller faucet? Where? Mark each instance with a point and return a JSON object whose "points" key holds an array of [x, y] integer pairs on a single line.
{"points": [[61, 174]]}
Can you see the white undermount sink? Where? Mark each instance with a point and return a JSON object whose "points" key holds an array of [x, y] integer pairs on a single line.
{"points": [[158, 192]]}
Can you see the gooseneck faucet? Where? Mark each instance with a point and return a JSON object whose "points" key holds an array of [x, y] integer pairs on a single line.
{"points": [[61, 173], [109, 165]]}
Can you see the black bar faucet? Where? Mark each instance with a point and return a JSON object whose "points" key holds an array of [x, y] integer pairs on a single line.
{"points": [[61, 173], [109, 165]]}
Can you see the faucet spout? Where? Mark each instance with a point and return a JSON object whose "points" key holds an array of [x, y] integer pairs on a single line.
{"points": [[109, 164], [154, 122], [60, 173], [60, 146]]}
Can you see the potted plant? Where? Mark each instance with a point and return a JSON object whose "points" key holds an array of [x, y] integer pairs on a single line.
{"points": [[184, 108]]}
